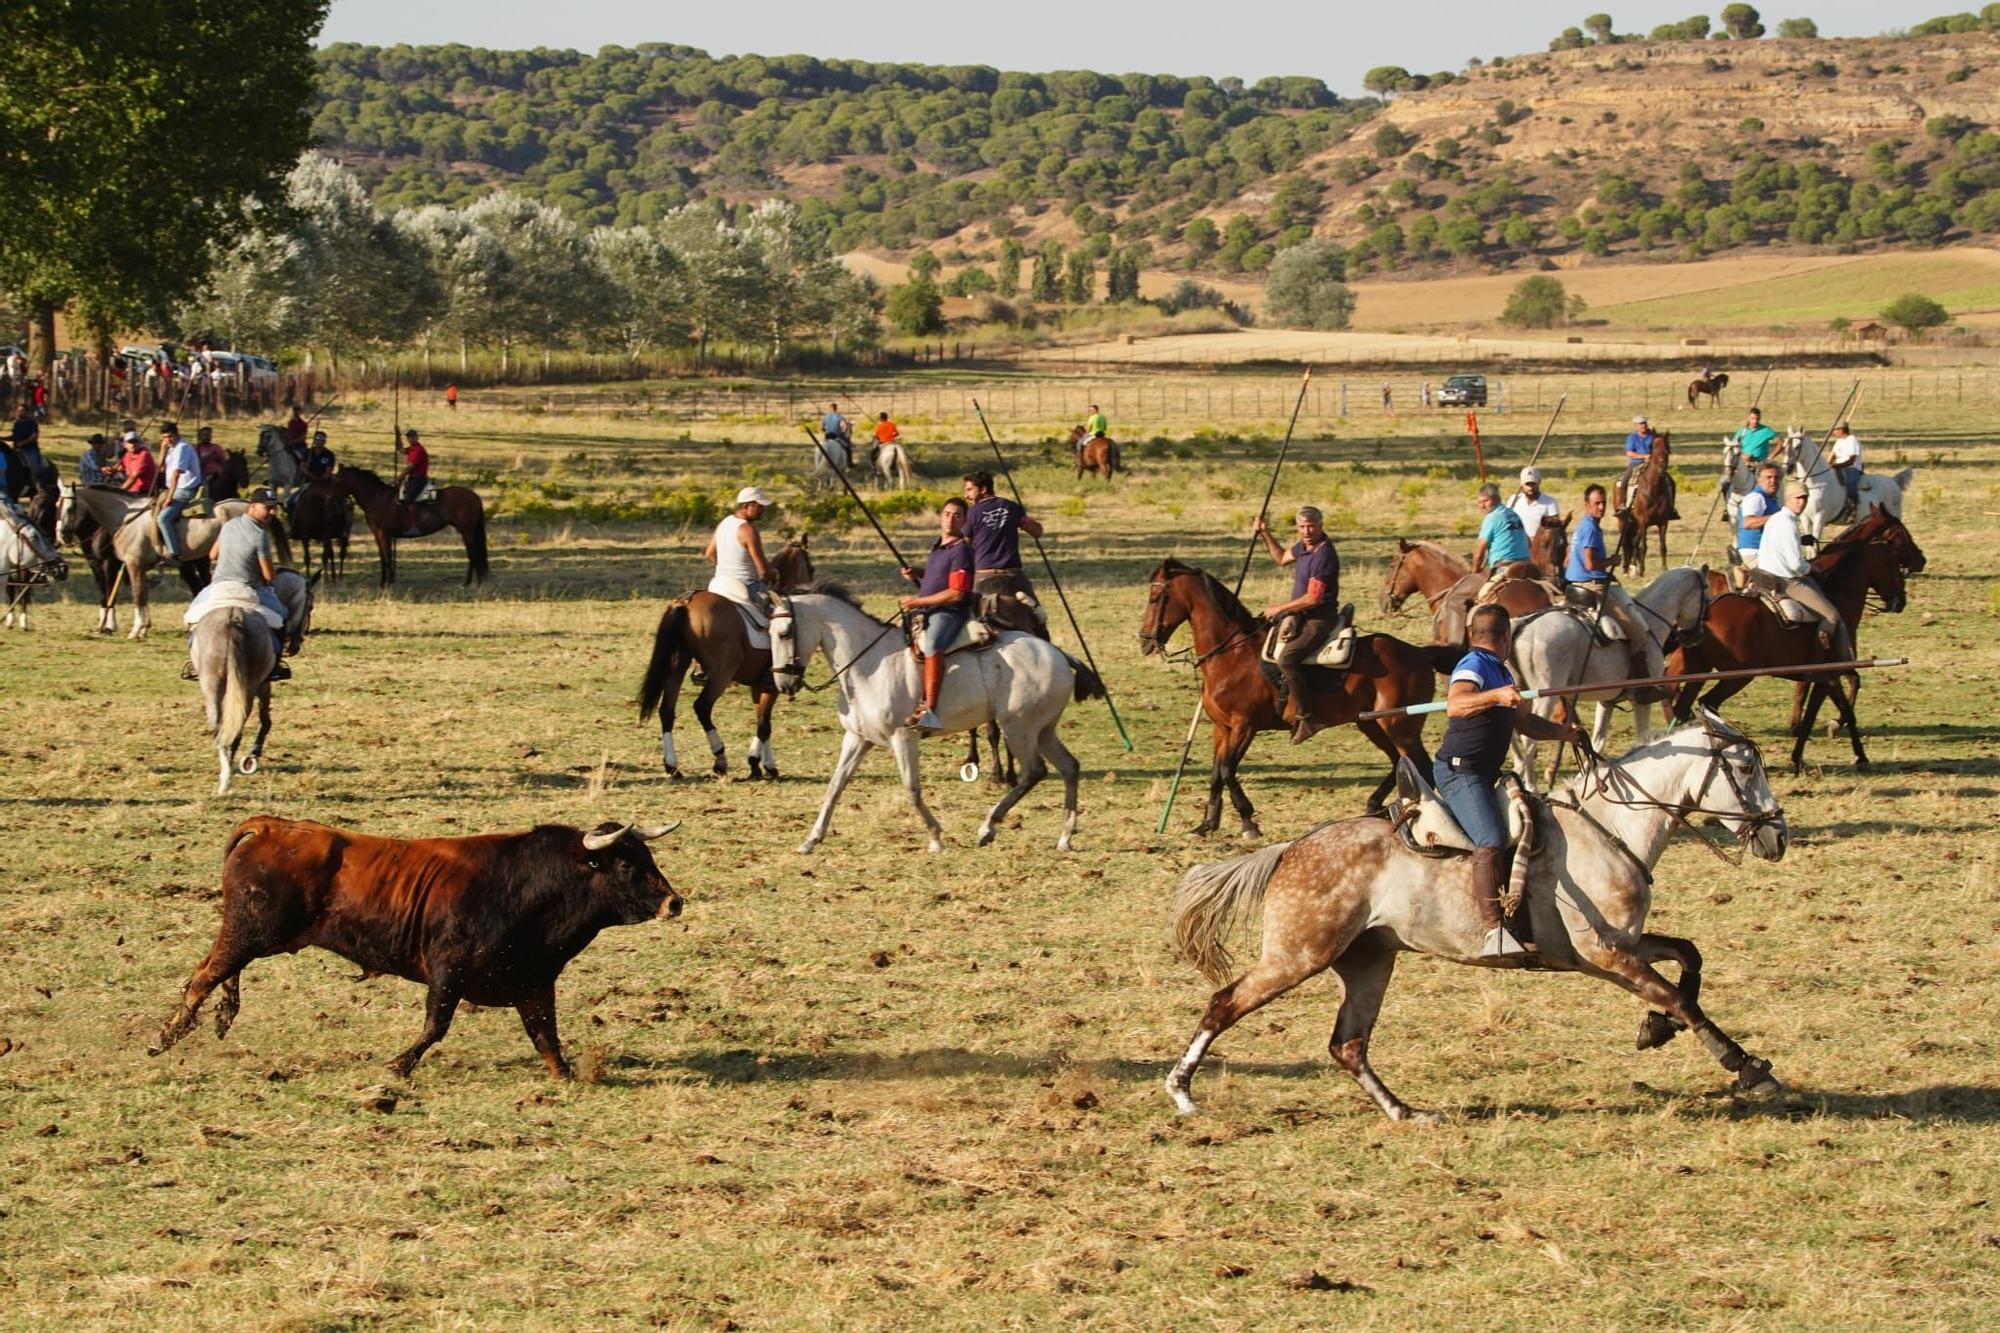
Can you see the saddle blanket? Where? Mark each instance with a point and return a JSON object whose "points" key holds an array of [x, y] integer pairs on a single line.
{"points": [[756, 620], [1337, 653], [1785, 608], [223, 596], [1433, 829]]}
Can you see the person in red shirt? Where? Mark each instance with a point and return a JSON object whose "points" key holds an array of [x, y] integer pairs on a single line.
{"points": [[141, 472], [451, 396], [415, 476], [213, 460]]}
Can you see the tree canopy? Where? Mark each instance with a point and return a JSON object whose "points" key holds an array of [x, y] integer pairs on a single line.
{"points": [[1307, 287]]}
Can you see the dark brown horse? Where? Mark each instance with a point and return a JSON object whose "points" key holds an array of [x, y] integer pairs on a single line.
{"points": [[1713, 386], [1741, 633], [707, 628], [1450, 583], [234, 478], [324, 514], [1648, 504], [1549, 547], [1241, 699], [1098, 456], [389, 519]]}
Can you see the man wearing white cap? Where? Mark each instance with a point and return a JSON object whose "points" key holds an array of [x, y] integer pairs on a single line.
{"points": [[742, 574], [1532, 504]]}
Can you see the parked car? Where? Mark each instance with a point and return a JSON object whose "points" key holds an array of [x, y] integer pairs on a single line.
{"points": [[1463, 391]]}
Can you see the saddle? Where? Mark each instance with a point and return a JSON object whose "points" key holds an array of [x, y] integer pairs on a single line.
{"points": [[428, 495], [1786, 609], [1336, 651], [1426, 825], [974, 636], [227, 596], [756, 617], [1589, 614], [1006, 610]]}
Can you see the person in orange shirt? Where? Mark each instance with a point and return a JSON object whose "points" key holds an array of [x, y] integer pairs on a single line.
{"points": [[885, 433], [451, 396]]}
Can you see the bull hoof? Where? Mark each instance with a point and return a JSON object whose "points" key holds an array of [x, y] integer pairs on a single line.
{"points": [[1656, 1030]]}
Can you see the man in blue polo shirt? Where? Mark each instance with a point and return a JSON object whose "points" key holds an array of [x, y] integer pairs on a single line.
{"points": [[944, 596], [1753, 513], [1309, 616], [1589, 586], [1638, 448], [1484, 709], [1503, 538]]}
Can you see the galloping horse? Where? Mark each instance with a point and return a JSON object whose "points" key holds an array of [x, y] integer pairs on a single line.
{"points": [[1741, 632], [1648, 504], [1097, 456], [1241, 700], [1449, 583], [456, 507], [1349, 896], [1712, 386], [708, 628]]}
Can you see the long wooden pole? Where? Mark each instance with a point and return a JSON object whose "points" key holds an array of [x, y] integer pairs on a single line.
{"points": [[1545, 432], [1249, 554], [1700, 678], [1054, 580]]}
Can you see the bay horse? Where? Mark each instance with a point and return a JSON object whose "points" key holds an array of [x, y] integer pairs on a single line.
{"points": [[233, 480], [708, 628], [1648, 504], [1548, 549], [1241, 699], [1350, 896], [1098, 456], [1449, 583], [389, 518], [322, 513], [1741, 633], [1713, 386]]}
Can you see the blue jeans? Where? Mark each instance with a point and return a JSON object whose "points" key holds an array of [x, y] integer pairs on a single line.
{"points": [[170, 517], [941, 626], [1469, 797], [413, 487], [1850, 477]]}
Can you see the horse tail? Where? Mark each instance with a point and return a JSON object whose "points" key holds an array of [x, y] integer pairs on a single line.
{"points": [[1089, 685], [1112, 460], [1443, 657], [237, 693], [669, 662], [1212, 898], [475, 548]]}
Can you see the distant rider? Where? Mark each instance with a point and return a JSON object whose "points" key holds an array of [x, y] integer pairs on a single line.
{"points": [[1097, 426], [416, 475], [1638, 448], [1756, 440], [836, 427], [1846, 462], [1308, 617], [944, 596]]}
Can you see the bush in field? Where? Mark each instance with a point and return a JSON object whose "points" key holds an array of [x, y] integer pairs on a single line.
{"points": [[1536, 303], [1307, 287], [1913, 313], [916, 307]]}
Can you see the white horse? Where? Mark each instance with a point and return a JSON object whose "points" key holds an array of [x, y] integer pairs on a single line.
{"points": [[1825, 495], [832, 459], [892, 466], [1022, 682], [29, 558], [234, 654], [281, 464], [1350, 896], [1554, 648]]}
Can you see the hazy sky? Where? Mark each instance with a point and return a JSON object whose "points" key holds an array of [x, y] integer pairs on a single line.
{"points": [[1332, 41]]}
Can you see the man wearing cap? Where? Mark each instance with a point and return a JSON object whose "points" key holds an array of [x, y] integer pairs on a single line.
{"points": [[1532, 504], [183, 483], [1638, 448], [244, 561], [95, 466], [944, 596], [1589, 586], [994, 524], [1306, 619], [742, 574], [138, 466], [1782, 569]]}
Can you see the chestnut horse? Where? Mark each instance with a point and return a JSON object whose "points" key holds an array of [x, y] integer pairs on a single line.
{"points": [[706, 627], [389, 518], [1449, 584], [1742, 633], [1712, 386], [321, 513], [1649, 503], [1241, 699], [1097, 456]]}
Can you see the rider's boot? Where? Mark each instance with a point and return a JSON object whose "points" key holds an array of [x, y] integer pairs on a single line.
{"points": [[925, 717], [1299, 705], [1489, 876], [1651, 694], [279, 671]]}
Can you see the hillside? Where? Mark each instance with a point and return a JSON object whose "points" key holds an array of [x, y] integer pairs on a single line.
{"points": [[1643, 149]]}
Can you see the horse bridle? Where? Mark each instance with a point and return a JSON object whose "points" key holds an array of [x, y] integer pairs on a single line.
{"points": [[782, 611], [1156, 592], [1607, 775]]}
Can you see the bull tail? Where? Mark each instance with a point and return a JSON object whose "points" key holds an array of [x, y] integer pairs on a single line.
{"points": [[1089, 685], [1213, 898], [669, 662]]}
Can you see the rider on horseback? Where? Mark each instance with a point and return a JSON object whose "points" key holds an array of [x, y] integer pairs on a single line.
{"points": [[885, 434], [1309, 616], [1503, 541], [994, 526], [742, 574], [95, 466], [412, 480], [1781, 569], [1755, 439], [835, 427], [1588, 585], [1485, 708], [1097, 426], [1638, 448], [1846, 463], [1754, 514], [244, 561], [1532, 503], [944, 596], [183, 484], [319, 465]]}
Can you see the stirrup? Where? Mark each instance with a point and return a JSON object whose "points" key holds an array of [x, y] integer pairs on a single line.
{"points": [[188, 672], [1500, 943], [924, 719]]}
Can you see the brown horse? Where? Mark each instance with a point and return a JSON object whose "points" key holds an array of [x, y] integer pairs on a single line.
{"points": [[1649, 503], [707, 628], [1549, 547], [1449, 584], [1242, 700], [389, 518], [1098, 456], [323, 514], [1712, 386], [1741, 633]]}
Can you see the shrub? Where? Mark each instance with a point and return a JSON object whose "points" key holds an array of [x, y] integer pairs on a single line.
{"points": [[1914, 312], [1307, 287], [1536, 303]]}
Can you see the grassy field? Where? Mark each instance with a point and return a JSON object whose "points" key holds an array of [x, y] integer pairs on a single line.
{"points": [[1964, 281], [877, 1088]]}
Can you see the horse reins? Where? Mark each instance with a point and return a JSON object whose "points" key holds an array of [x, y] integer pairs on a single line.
{"points": [[1605, 775]]}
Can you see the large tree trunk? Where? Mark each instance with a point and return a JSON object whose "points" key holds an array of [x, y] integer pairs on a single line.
{"points": [[462, 362], [42, 338]]}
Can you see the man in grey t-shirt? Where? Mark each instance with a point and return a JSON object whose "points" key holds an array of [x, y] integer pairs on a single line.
{"points": [[243, 555]]}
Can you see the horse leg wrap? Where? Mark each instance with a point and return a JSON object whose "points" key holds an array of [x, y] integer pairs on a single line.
{"points": [[714, 740], [668, 755]]}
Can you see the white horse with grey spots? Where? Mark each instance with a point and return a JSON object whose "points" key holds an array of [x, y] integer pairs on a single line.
{"points": [[1350, 896], [1021, 682]]}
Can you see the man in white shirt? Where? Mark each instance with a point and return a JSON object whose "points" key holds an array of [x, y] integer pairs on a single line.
{"points": [[182, 468], [1781, 568], [1531, 504], [1846, 461]]}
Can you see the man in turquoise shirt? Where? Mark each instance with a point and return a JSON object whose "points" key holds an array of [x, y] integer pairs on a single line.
{"points": [[1756, 438], [1503, 538]]}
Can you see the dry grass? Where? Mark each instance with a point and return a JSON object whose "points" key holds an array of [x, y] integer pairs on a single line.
{"points": [[873, 1087]]}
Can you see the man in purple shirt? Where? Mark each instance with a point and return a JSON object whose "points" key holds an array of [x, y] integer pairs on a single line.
{"points": [[944, 597], [1309, 616], [994, 526]]}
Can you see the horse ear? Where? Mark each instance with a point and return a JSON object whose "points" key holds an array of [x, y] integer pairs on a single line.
{"points": [[1402, 544], [805, 540]]}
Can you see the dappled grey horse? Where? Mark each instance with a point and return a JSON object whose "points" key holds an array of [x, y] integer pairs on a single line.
{"points": [[234, 652]]}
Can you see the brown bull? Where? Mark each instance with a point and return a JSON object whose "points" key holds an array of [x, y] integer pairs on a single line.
{"points": [[491, 919]]}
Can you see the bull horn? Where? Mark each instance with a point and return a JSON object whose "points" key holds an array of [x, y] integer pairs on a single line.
{"points": [[598, 841], [646, 834]]}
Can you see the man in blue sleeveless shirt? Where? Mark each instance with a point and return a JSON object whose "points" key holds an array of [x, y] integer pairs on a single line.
{"points": [[1308, 617], [1485, 709]]}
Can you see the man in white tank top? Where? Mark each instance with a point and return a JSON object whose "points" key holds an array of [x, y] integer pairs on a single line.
{"points": [[742, 574]]}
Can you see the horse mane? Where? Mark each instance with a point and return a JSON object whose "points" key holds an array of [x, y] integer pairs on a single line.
{"points": [[363, 473], [1231, 604], [838, 591], [1865, 531]]}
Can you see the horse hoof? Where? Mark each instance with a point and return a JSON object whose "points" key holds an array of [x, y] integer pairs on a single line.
{"points": [[1183, 1104], [247, 765], [770, 774], [1062, 843], [1656, 1030], [1410, 1116], [1861, 761], [674, 773], [985, 837], [806, 847], [1252, 832]]}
